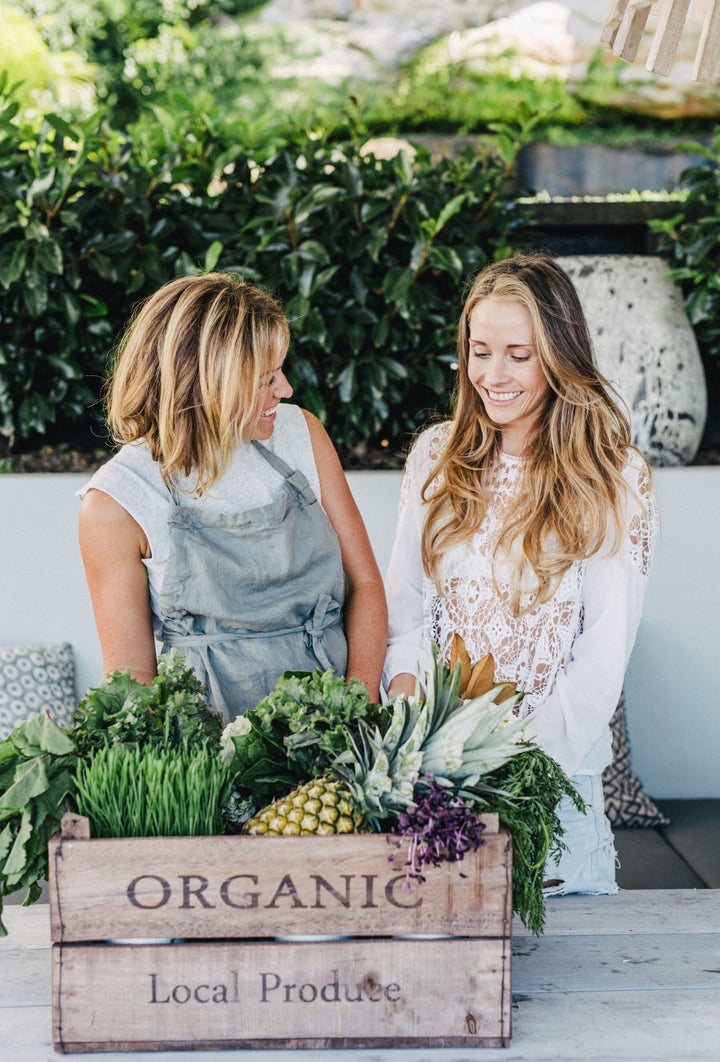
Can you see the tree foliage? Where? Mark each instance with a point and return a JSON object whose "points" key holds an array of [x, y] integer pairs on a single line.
{"points": [[368, 256]]}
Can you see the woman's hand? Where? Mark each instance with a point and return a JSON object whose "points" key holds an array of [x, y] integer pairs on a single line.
{"points": [[365, 610], [403, 684], [113, 546]]}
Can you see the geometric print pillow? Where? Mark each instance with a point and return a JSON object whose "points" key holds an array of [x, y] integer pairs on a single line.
{"points": [[626, 802], [33, 679]]}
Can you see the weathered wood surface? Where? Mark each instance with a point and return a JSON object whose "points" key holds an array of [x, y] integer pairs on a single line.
{"points": [[639, 1022], [666, 41], [680, 912], [250, 887], [627, 22], [255, 995], [629, 33], [707, 60], [169, 942]]}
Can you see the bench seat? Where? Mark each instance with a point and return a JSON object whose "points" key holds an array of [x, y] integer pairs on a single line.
{"points": [[683, 855]]}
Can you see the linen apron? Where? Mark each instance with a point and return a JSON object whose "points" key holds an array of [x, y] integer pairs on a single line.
{"points": [[247, 596]]}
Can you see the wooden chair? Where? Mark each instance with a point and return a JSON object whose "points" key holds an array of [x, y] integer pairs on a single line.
{"points": [[627, 22]]}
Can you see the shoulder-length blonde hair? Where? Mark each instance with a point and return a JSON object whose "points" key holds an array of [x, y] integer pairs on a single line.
{"points": [[573, 492], [188, 372]]}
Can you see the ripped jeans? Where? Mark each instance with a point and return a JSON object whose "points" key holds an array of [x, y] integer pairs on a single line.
{"points": [[588, 865]]}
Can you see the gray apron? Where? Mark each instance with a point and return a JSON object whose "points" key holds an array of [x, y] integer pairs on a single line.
{"points": [[247, 596]]}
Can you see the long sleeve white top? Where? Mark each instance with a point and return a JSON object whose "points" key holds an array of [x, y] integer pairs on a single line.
{"points": [[568, 655]]}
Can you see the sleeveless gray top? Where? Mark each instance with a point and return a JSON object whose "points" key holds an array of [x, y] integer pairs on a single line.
{"points": [[245, 592]]}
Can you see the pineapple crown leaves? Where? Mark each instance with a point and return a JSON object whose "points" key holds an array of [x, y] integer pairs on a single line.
{"points": [[467, 738], [477, 738], [440, 735], [379, 768]]}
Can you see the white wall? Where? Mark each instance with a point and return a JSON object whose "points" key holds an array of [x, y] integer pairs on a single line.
{"points": [[673, 693], [673, 701], [43, 597]]}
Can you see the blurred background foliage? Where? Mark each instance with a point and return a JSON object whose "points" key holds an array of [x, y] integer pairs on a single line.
{"points": [[144, 138]]}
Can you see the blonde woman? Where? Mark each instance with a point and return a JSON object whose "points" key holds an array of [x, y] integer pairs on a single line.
{"points": [[224, 526], [526, 525]]}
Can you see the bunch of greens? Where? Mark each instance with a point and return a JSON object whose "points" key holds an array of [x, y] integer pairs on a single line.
{"points": [[526, 792], [36, 787], [171, 712], [150, 791], [296, 732]]}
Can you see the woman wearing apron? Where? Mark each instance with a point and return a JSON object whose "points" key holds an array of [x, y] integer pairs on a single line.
{"points": [[224, 526]]}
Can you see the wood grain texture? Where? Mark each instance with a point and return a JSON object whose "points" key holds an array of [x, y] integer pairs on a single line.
{"points": [[707, 60], [251, 887], [631, 28], [666, 40], [593, 1017], [190, 942], [340, 994]]}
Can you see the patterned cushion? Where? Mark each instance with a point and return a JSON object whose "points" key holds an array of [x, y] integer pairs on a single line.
{"points": [[626, 802], [36, 678]]}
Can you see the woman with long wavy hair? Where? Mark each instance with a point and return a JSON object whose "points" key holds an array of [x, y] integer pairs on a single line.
{"points": [[526, 526]]}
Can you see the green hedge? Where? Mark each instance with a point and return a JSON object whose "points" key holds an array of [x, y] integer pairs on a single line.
{"points": [[368, 256], [691, 239]]}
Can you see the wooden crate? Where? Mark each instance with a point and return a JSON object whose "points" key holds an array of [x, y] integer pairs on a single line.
{"points": [[259, 942]]}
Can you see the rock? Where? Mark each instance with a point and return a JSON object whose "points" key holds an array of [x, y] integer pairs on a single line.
{"points": [[646, 347], [552, 38]]}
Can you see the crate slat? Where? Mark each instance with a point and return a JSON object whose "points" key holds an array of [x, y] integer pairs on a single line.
{"points": [[331, 994], [246, 887]]}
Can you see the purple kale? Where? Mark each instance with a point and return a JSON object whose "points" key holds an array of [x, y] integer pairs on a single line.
{"points": [[439, 827]]}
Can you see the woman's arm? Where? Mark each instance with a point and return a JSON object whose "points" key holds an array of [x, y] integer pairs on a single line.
{"points": [[408, 656], [365, 611], [572, 724], [113, 545]]}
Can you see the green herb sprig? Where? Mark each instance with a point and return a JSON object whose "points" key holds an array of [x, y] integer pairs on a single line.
{"points": [[131, 791], [526, 792]]}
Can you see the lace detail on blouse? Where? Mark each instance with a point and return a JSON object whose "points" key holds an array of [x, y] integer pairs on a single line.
{"points": [[530, 649], [643, 526]]}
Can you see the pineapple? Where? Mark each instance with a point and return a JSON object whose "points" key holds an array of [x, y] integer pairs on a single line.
{"points": [[456, 741], [443, 735], [321, 806]]}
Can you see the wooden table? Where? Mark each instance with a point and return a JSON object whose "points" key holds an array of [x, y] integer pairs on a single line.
{"points": [[613, 979]]}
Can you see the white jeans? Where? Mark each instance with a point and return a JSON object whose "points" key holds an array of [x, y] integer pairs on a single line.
{"points": [[589, 863]]}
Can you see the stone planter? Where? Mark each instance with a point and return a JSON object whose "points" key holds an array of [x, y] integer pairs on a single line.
{"points": [[646, 347]]}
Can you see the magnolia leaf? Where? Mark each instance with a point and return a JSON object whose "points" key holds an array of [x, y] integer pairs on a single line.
{"points": [[460, 655], [482, 677], [508, 690]]}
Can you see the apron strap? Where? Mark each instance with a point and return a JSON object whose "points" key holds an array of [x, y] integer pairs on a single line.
{"points": [[292, 476], [325, 614]]}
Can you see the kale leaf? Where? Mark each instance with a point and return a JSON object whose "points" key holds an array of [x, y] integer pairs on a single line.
{"points": [[171, 712], [297, 731]]}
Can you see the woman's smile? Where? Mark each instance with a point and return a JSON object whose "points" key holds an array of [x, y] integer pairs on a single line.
{"points": [[505, 369], [503, 397]]}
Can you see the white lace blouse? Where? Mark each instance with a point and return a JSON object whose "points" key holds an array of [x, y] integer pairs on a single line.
{"points": [[568, 655]]}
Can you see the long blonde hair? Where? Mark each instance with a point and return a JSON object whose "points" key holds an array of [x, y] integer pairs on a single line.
{"points": [[573, 492], [188, 372]]}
